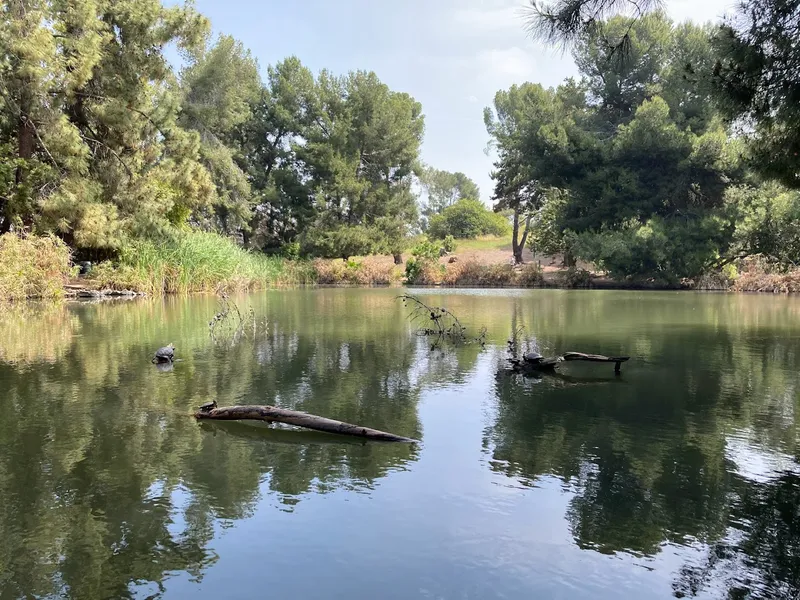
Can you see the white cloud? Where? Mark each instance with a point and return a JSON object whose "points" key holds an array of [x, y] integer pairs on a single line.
{"points": [[483, 19]]}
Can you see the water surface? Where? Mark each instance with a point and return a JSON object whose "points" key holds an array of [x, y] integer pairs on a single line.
{"points": [[678, 478]]}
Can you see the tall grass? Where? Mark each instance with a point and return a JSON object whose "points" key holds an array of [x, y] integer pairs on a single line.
{"points": [[33, 267], [197, 262]]}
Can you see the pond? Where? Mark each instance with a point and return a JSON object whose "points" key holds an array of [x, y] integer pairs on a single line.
{"points": [[678, 478]]}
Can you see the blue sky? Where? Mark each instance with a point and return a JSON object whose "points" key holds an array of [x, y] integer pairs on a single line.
{"points": [[451, 55]]}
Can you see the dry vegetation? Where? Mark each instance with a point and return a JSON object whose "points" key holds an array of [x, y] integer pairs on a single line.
{"points": [[370, 270], [33, 267], [758, 277]]}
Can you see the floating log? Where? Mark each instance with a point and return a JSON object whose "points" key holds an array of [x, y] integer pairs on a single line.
{"points": [[273, 414], [545, 364]]}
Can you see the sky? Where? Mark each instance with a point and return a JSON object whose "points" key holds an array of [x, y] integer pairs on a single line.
{"points": [[450, 55]]}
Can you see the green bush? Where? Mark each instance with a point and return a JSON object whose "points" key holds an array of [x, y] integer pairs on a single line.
{"points": [[340, 241], [662, 251], [449, 243], [291, 250], [465, 219], [425, 258]]}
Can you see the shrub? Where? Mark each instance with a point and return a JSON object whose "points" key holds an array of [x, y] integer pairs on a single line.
{"points": [[370, 271], [472, 273], [291, 250], [530, 275], [661, 250], [33, 267], [467, 218], [424, 268], [574, 277], [449, 243]]}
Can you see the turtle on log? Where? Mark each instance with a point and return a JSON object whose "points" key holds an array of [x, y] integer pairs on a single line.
{"points": [[533, 357], [165, 354], [208, 406]]}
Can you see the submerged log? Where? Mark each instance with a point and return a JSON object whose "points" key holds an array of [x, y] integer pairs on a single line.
{"points": [[273, 414]]}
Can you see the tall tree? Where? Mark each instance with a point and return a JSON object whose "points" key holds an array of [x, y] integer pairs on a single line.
{"points": [[90, 99], [220, 88], [755, 76], [359, 156], [644, 167]]}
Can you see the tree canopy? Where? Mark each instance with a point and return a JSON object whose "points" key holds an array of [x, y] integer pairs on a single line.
{"points": [[639, 160], [101, 140]]}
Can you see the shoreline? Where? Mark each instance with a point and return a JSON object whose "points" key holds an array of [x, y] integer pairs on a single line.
{"points": [[78, 293]]}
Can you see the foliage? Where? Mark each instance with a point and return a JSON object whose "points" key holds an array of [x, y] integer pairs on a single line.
{"points": [[443, 189], [548, 235], [467, 218], [104, 145], [767, 221], [657, 250], [631, 158], [470, 273], [369, 271], [191, 262], [89, 121], [574, 277], [753, 73], [33, 267], [449, 244], [340, 241], [424, 267], [757, 80]]}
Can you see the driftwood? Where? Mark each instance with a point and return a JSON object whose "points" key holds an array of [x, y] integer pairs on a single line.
{"points": [[549, 364], [273, 414]]}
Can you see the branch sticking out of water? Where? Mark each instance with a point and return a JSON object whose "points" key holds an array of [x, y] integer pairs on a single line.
{"points": [[230, 322], [439, 323]]}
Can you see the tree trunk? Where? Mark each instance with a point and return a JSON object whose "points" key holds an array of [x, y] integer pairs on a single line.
{"points": [[524, 237], [272, 414], [518, 245], [515, 245], [25, 136]]}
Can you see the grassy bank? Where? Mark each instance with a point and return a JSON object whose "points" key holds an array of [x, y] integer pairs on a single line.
{"points": [[33, 267], [40, 267], [196, 262]]}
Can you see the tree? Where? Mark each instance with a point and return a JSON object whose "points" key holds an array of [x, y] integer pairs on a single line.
{"points": [[444, 189], [767, 221], [467, 218], [220, 87], [757, 79], [358, 158], [634, 159], [89, 120], [281, 117], [755, 75], [520, 115]]}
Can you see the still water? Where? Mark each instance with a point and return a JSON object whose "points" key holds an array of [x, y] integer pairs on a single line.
{"points": [[680, 478]]}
